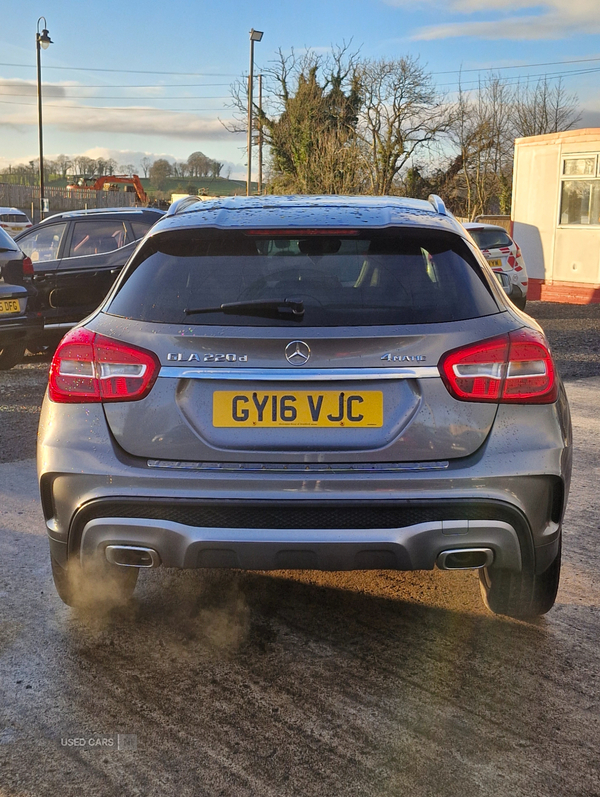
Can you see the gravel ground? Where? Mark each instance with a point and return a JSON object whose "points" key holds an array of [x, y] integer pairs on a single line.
{"points": [[573, 332]]}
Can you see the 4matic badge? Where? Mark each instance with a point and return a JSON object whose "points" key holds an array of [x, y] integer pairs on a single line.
{"points": [[404, 358]]}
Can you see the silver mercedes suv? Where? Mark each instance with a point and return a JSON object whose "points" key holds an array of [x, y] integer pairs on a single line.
{"points": [[329, 383]]}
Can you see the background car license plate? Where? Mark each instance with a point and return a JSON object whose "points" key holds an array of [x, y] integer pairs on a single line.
{"points": [[495, 263], [298, 408], [9, 306]]}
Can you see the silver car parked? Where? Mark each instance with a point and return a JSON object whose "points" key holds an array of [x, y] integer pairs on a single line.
{"points": [[327, 383]]}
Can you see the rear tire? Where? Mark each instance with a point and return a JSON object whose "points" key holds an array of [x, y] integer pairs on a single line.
{"points": [[522, 595], [11, 355], [98, 582]]}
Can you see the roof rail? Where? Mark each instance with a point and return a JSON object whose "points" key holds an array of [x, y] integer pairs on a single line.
{"points": [[438, 204], [182, 204]]}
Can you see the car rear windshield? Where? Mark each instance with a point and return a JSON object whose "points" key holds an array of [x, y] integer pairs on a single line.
{"points": [[13, 217], [490, 239], [393, 276]]}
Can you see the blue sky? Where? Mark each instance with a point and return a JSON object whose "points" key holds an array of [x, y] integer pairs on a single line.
{"points": [[209, 42]]}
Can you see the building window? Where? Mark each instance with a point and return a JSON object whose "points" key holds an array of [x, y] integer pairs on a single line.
{"points": [[580, 166], [580, 191]]}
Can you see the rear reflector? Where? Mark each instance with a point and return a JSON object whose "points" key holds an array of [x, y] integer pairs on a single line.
{"points": [[516, 368], [90, 368]]}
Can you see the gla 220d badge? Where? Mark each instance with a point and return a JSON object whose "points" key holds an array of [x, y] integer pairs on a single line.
{"points": [[207, 358]]}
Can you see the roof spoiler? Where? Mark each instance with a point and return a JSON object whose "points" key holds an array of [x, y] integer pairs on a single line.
{"points": [[182, 204], [438, 204]]}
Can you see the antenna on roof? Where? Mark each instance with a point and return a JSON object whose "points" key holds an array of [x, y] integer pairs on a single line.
{"points": [[438, 204], [182, 204]]}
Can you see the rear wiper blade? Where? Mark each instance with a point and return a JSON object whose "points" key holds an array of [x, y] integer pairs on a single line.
{"points": [[266, 307]]}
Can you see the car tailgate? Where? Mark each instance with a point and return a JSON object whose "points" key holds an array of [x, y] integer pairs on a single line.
{"points": [[359, 397]]}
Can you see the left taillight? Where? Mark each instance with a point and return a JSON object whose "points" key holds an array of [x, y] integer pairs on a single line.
{"points": [[516, 368], [27, 266], [91, 368]]}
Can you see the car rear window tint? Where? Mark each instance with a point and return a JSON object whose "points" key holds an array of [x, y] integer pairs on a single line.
{"points": [[97, 237], [140, 228], [20, 218], [397, 276], [491, 239]]}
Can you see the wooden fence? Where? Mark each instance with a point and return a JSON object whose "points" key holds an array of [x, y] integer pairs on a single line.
{"points": [[27, 199]]}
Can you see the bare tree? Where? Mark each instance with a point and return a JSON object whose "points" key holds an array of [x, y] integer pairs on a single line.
{"points": [[198, 164], [180, 169], [64, 164], [160, 171], [544, 108], [401, 113], [84, 165], [485, 123], [146, 163]]}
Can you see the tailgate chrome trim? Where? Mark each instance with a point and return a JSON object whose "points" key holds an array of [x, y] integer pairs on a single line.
{"points": [[298, 467], [299, 375]]}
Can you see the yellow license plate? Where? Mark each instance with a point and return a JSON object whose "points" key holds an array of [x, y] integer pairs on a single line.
{"points": [[9, 306], [495, 263], [298, 408]]}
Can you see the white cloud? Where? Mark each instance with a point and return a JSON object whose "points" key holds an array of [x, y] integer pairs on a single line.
{"points": [[547, 19], [137, 120], [15, 87], [125, 155]]}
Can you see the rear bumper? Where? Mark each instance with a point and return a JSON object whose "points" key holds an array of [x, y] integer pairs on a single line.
{"points": [[414, 547], [315, 535]]}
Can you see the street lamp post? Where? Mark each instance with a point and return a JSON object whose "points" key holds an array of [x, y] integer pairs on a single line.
{"points": [[255, 36], [42, 40], [260, 137]]}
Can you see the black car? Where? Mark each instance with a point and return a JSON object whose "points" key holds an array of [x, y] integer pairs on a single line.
{"points": [[19, 322], [76, 257]]}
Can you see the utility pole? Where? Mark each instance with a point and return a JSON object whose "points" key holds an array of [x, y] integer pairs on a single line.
{"points": [[260, 137], [255, 36]]}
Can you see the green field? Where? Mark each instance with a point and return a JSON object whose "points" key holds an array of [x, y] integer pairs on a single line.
{"points": [[217, 186]]}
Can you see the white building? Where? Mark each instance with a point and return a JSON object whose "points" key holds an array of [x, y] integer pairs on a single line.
{"points": [[556, 214]]}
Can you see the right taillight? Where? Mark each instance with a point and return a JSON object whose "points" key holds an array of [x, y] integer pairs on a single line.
{"points": [[515, 368], [91, 368], [27, 266]]}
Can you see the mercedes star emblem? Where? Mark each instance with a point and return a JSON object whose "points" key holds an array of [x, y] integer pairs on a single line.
{"points": [[297, 352]]}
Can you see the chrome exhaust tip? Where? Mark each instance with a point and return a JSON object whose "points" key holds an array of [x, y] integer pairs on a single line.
{"points": [[465, 559], [132, 556]]}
